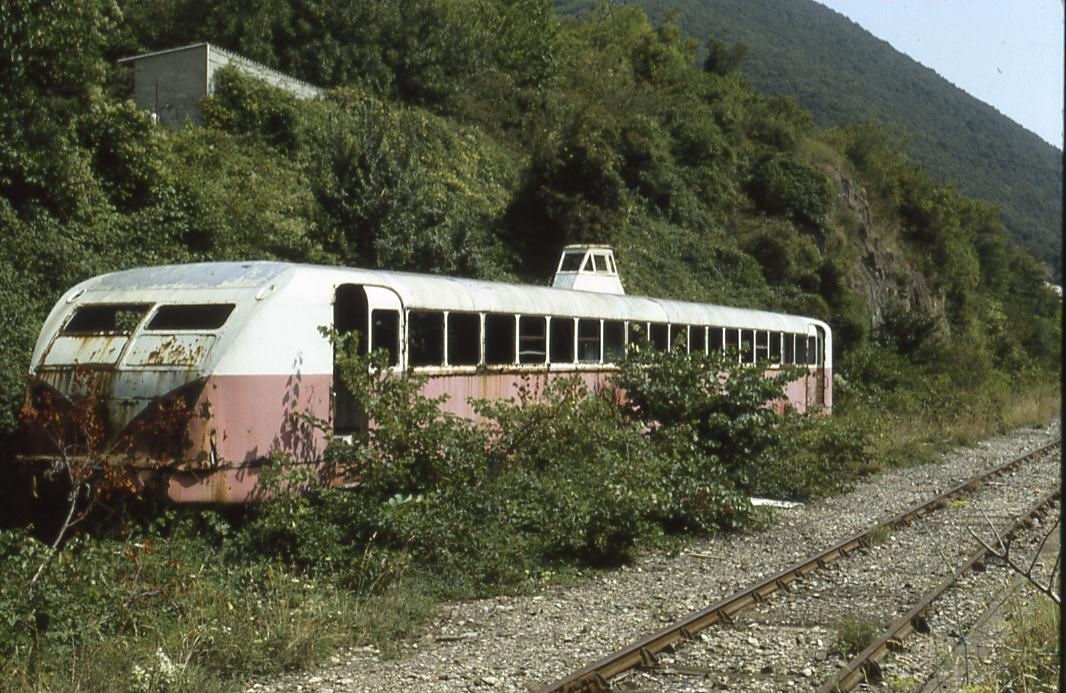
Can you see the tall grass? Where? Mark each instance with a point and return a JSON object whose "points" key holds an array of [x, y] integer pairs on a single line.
{"points": [[1030, 662], [908, 435]]}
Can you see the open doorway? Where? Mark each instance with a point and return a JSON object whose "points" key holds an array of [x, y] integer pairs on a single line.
{"points": [[350, 315]]}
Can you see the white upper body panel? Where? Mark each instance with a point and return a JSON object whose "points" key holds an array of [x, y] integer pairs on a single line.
{"points": [[279, 308]]}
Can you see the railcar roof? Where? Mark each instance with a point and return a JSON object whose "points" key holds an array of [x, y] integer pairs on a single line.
{"points": [[199, 275], [439, 292]]}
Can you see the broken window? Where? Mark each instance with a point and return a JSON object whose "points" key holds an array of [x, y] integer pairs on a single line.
{"points": [[385, 333], [532, 339], [571, 262], [112, 319], [714, 338], [775, 347], [614, 340], [425, 338], [499, 339], [697, 340], [464, 339], [204, 316], [747, 346], [562, 340], [588, 341], [679, 337], [638, 332], [732, 339], [762, 346], [660, 333]]}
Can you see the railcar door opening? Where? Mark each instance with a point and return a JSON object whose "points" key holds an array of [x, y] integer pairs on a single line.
{"points": [[816, 362], [373, 315], [351, 316]]}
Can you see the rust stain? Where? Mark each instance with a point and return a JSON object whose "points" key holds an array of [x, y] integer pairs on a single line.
{"points": [[174, 352]]}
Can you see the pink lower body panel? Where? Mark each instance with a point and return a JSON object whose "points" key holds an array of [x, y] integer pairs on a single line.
{"points": [[251, 418], [242, 420]]}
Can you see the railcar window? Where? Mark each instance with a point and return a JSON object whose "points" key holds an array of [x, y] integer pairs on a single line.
{"points": [[660, 335], [732, 339], [812, 350], [571, 262], [790, 348], [775, 347], [747, 346], [562, 340], [385, 333], [204, 316], [801, 350], [614, 340], [464, 339], [679, 337], [638, 332], [112, 319], [762, 346], [714, 338], [588, 341], [499, 339], [532, 339], [697, 339], [425, 338]]}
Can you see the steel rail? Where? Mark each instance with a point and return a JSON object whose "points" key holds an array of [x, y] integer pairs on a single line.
{"points": [[595, 677], [865, 666]]}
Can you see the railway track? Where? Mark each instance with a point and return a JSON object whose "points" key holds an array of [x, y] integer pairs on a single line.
{"points": [[662, 660]]}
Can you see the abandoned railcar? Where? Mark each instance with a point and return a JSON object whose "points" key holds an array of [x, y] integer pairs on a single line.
{"points": [[233, 355]]}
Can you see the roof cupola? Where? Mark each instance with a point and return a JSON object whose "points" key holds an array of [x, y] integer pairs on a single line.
{"points": [[588, 268]]}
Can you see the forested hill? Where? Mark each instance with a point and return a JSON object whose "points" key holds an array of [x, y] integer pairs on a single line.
{"points": [[843, 74]]}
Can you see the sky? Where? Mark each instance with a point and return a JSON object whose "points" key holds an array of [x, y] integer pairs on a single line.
{"points": [[1007, 53]]}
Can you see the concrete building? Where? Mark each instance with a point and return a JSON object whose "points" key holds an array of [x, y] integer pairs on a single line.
{"points": [[170, 84]]}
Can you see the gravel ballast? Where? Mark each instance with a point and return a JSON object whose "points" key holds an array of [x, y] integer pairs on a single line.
{"points": [[522, 643]]}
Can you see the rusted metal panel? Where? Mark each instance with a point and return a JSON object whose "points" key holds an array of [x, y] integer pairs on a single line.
{"points": [[85, 349], [173, 350]]}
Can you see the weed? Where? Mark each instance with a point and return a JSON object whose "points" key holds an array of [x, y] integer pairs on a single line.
{"points": [[879, 535], [854, 634]]}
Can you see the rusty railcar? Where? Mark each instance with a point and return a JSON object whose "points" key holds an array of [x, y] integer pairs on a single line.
{"points": [[237, 350]]}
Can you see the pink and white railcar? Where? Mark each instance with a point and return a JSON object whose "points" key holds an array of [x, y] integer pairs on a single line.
{"points": [[239, 346]]}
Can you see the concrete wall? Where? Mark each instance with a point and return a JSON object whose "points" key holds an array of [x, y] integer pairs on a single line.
{"points": [[218, 58], [171, 84]]}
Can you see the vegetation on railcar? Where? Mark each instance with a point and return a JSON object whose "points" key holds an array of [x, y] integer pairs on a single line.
{"points": [[476, 139]]}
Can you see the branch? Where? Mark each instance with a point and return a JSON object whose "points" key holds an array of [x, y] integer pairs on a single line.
{"points": [[75, 490], [1003, 553]]}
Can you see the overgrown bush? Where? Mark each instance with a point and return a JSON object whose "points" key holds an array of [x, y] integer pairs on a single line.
{"points": [[573, 474], [815, 457], [711, 422]]}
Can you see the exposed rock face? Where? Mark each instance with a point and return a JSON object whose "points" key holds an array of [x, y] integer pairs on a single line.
{"points": [[882, 276]]}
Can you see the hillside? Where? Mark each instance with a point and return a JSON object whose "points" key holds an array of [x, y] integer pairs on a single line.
{"points": [[843, 74]]}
